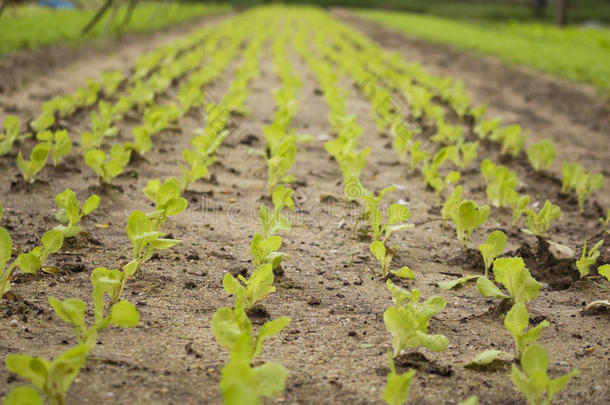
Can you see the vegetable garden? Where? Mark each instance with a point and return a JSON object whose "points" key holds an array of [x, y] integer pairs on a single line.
{"points": [[275, 208]]}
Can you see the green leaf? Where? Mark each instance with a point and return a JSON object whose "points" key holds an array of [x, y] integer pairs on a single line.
{"points": [[459, 282], [52, 241], [405, 272], [397, 386], [267, 330], [260, 284], [6, 248], [488, 289], [378, 250], [23, 395], [124, 314], [541, 155], [71, 310], [487, 357], [90, 205], [398, 213], [225, 327], [602, 270], [34, 369], [515, 277], [29, 263], [492, 248]]}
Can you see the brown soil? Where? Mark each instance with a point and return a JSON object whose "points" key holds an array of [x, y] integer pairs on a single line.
{"points": [[336, 345]]}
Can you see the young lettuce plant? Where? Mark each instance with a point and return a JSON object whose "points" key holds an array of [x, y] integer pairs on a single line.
{"points": [[451, 204], [276, 222], [417, 156], [520, 208], [384, 256], [533, 382], [266, 250], [463, 154], [38, 160], [70, 214], [107, 169], [197, 168], [467, 217], [408, 320], [492, 248], [257, 287], [396, 390], [43, 122], [515, 277], [487, 128], [586, 184], [59, 143], [10, 135], [606, 221], [396, 216], [588, 258], [166, 197], [501, 184], [539, 223], [541, 155], [571, 173]]}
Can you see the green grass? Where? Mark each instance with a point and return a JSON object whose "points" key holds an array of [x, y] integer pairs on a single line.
{"points": [[32, 27], [578, 54]]}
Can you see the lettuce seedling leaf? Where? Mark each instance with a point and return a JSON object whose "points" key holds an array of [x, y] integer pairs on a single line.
{"points": [[404, 272], [269, 329], [457, 283], [586, 184], [571, 173], [492, 248], [397, 387], [23, 395], [602, 270], [541, 155], [539, 223], [467, 217], [124, 315], [516, 278], [588, 258], [38, 159], [71, 311], [488, 289], [516, 321], [520, 207], [487, 357]]}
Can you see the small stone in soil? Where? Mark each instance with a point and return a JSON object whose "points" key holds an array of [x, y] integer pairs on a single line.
{"points": [[314, 301]]}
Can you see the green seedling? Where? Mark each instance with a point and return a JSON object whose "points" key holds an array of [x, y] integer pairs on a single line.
{"points": [[146, 239], [43, 122], [604, 271], [397, 214], [588, 258], [197, 168], [451, 204], [463, 154], [166, 197], [53, 378], [539, 223], [10, 135], [448, 134], [257, 287], [38, 159], [516, 322], [515, 277], [501, 184], [467, 217], [512, 138], [571, 173], [384, 256], [396, 390], [408, 320], [142, 141], [70, 214], [280, 163], [111, 81], [586, 184], [492, 248], [417, 155], [240, 382], [520, 208], [59, 143], [276, 222], [434, 180], [266, 250], [101, 123], [541, 155], [487, 128], [457, 283], [107, 167], [403, 140], [487, 357], [533, 382]]}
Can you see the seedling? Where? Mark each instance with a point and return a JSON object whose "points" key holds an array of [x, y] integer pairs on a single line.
{"points": [[197, 167], [142, 141], [43, 122], [541, 155], [515, 277], [111, 81], [586, 184], [451, 204], [467, 217], [571, 173], [166, 197], [70, 214], [417, 155], [38, 159], [539, 223], [512, 139], [588, 258], [501, 183], [59, 143], [107, 168], [10, 135], [492, 248], [280, 163], [604, 271], [257, 287], [397, 387], [266, 250], [276, 222], [606, 221], [408, 320], [487, 128], [516, 322], [533, 382], [520, 207], [397, 214], [384, 256], [463, 154]]}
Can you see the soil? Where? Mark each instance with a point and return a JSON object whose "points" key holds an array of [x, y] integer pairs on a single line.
{"points": [[336, 345]]}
